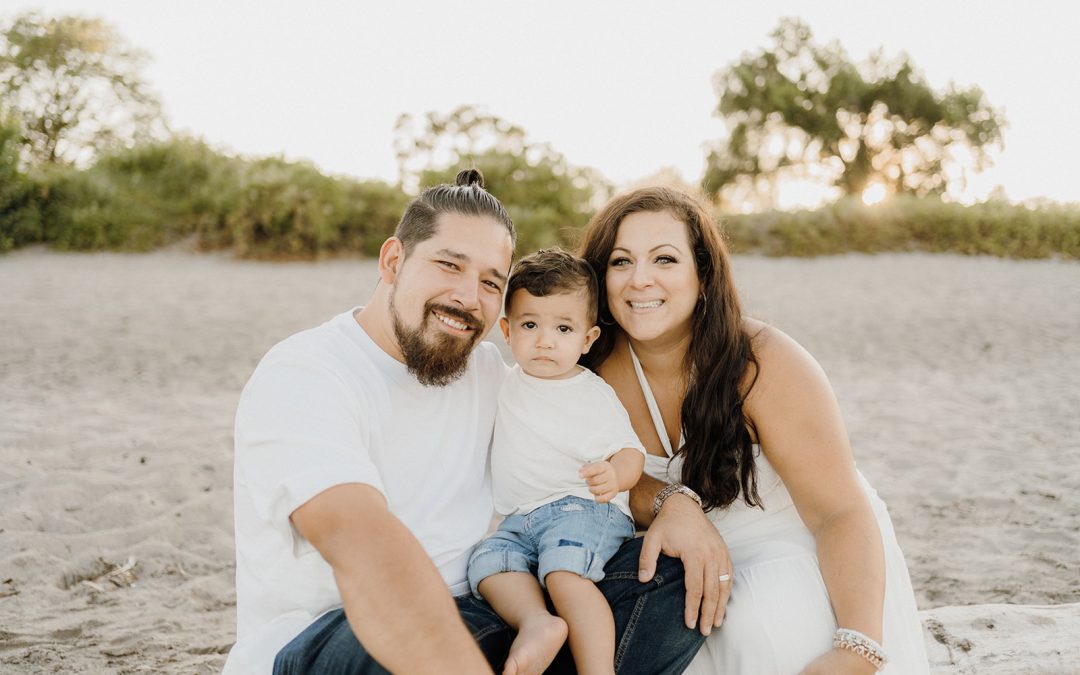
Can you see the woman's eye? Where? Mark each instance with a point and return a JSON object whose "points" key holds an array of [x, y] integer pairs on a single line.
{"points": [[666, 259], [620, 262]]}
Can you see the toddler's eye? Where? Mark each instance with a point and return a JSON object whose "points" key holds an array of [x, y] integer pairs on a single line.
{"points": [[565, 329], [528, 325]]}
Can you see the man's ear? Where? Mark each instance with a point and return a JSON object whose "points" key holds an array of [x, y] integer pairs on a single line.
{"points": [[504, 325], [391, 257], [590, 338]]}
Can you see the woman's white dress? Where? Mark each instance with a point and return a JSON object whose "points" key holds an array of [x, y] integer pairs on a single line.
{"points": [[779, 617]]}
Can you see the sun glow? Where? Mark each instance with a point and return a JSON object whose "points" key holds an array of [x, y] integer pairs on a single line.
{"points": [[873, 194]]}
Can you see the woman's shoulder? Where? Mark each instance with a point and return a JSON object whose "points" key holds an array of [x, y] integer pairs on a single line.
{"points": [[782, 363]]}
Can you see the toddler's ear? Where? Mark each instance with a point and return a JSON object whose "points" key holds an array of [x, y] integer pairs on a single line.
{"points": [[590, 338], [504, 326]]}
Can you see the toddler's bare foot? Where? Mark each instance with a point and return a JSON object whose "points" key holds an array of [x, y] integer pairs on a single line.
{"points": [[539, 639]]}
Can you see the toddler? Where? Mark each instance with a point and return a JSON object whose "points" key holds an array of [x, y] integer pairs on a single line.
{"points": [[563, 456]]}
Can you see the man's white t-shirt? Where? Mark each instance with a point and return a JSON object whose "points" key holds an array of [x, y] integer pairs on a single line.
{"points": [[326, 407], [546, 430]]}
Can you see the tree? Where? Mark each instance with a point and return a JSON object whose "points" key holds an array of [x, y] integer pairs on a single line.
{"points": [[20, 220], [548, 199], [802, 110], [75, 86]]}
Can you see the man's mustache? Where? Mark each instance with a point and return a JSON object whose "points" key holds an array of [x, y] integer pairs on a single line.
{"points": [[458, 314]]}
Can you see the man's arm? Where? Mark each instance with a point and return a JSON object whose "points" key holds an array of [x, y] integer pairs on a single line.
{"points": [[395, 600]]}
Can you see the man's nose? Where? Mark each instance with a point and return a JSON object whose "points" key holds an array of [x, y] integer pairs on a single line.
{"points": [[467, 293]]}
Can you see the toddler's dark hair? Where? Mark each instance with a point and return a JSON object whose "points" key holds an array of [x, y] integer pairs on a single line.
{"points": [[550, 271]]}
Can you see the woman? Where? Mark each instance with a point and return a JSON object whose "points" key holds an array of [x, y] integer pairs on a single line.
{"points": [[736, 415]]}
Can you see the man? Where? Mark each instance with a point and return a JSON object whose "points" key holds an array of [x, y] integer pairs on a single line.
{"points": [[361, 482]]}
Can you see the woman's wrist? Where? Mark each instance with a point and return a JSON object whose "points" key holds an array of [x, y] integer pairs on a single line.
{"points": [[862, 646], [673, 490]]}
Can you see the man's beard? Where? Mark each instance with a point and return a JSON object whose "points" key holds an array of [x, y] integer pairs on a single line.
{"points": [[438, 361]]}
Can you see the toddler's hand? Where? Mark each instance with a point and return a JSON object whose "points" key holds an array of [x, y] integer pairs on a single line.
{"points": [[602, 480]]}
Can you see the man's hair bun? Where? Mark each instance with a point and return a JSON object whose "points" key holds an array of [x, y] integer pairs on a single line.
{"points": [[468, 177]]}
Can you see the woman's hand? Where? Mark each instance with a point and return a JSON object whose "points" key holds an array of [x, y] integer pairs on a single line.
{"points": [[682, 531], [839, 662]]}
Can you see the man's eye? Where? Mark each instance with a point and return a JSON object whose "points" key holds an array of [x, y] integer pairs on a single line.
{"points": [[493, 286], [448, 264]]}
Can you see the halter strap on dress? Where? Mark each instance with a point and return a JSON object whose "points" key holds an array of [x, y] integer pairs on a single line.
{"points": [[654, 407]]}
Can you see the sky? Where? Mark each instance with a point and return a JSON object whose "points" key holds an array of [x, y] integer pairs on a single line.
{"points": [[623, 86]]}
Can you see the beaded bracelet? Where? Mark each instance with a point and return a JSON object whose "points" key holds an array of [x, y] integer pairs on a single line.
{"points": [[854, 641]]}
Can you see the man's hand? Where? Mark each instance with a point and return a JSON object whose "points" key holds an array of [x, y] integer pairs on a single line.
{"points": [[602, 479], [682, 531]]}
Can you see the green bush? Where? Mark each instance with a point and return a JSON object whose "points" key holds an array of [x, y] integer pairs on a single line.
{"points": [[20, 220], [155, 194], [290, 209], [908, 224], [136, 199]]}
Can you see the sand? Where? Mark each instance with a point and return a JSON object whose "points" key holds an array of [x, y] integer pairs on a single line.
{"points": [[959, 379]]}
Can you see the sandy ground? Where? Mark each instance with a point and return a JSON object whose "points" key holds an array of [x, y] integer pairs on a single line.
{"points": [[959, 379]]}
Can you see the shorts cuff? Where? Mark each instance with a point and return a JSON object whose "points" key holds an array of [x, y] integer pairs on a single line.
{"points": [[577, 559], [484, 564]]}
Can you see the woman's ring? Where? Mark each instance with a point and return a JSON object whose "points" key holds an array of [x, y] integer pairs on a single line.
{"points": [[724, 577]]}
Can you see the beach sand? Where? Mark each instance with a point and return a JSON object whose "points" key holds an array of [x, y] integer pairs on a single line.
{"points": [[959, 379]]}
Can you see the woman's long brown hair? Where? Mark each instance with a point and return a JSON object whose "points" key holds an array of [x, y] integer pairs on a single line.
{"points": [[718, 453]]}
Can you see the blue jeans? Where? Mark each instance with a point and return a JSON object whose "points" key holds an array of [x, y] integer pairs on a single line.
{"points": [[570, 535], [650, 636]]}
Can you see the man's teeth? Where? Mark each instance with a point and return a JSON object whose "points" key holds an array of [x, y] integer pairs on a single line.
{"points": [[646, 305], [450, 322]]}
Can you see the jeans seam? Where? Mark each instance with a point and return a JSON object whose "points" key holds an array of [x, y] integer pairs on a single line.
{"points": [[628, 633], [487, 632], [631, 624]]}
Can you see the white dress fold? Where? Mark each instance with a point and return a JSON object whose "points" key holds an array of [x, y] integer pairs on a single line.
{"points": [[779, 617]]}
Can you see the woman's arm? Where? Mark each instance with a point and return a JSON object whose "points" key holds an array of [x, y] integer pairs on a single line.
{"points": [[800, 430], [682, 531]]}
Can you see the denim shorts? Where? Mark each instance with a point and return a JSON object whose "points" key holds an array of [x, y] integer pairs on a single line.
{"points": [[572, 535]]}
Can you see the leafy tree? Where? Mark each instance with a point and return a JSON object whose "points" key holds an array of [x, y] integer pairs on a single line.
{"points": [[548, 199], [20, 221], [800, 109], [75, 86]]}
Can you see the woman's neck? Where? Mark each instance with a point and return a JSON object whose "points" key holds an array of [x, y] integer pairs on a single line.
{"points": [[662, 358]]}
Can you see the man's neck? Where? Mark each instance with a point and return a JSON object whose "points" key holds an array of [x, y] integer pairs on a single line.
{"points": [[374, 319]]}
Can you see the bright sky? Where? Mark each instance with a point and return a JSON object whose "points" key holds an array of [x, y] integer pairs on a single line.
{"points": [[621, 86]]}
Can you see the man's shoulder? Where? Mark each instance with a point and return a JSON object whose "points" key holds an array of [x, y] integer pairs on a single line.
{"points": [[328, 350], [488, 361]]}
